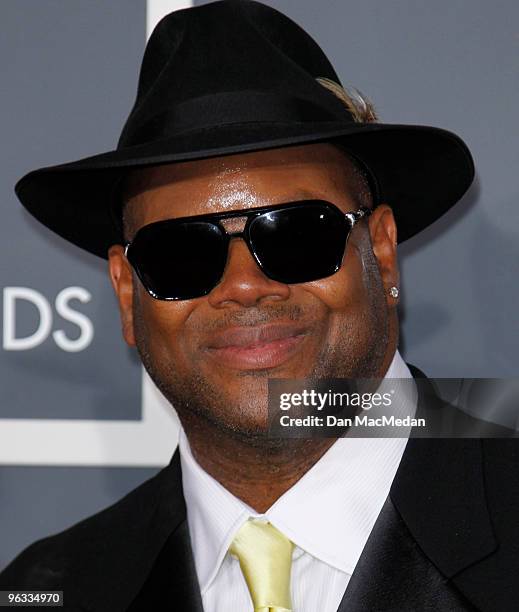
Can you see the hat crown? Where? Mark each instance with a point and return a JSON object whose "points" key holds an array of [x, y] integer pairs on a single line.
{"points": [[233, 61], [233, 77]]}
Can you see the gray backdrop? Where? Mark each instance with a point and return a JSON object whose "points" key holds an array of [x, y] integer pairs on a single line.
{"points": [[69, 76]]}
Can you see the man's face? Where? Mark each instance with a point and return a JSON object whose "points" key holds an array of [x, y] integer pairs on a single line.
{"points": [[211, 356]]}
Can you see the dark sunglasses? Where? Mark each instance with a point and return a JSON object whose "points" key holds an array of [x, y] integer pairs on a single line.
{"points": [[295, 242]]}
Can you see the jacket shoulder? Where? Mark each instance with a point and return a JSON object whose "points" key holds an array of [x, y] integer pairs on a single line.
{"points": [[49, 562]]}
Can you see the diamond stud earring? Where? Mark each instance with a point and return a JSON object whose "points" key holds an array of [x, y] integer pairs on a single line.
{"points": [[393, 292]]}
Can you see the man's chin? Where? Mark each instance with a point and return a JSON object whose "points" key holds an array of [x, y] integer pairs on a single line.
{"points": [[242, 422], [251, 436]]}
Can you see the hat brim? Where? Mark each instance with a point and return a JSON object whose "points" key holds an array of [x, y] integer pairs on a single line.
{"points": [[421, 172]]}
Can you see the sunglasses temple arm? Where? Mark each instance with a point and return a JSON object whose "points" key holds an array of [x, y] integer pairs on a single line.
{"points": [[355, 217]]}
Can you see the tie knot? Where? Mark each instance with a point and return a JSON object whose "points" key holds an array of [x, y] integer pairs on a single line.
{"points": [[265, 557]]}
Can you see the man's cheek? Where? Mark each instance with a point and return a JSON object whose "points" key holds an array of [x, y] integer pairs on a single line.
{"points": [[173, 344], [163, 316], [161, 332], [336, 292]]}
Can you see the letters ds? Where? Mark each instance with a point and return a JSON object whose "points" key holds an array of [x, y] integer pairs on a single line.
{"points": [[14, 295]]}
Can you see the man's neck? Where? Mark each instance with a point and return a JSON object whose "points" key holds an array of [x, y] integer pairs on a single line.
{"points": [[256, 474]]}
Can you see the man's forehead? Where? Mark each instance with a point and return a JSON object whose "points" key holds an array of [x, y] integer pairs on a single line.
{"points": [[238, 181]]}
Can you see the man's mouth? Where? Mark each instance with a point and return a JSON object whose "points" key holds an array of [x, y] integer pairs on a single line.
{"points": [[258, 347]]}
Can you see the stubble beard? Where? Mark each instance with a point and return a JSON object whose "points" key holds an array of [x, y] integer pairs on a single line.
{"points": [[196, 397]]}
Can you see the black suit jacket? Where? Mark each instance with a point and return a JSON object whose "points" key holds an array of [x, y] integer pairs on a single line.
{"points": [[447, 539]]}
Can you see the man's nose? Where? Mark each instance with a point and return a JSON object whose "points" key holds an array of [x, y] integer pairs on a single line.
{"points": [[243, 282]]}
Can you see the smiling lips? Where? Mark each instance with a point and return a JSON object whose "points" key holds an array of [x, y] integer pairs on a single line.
{"points": [[250, 348]]}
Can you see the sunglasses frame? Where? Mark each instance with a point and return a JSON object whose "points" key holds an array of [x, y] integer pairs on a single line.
{"points": [[250, 214]]}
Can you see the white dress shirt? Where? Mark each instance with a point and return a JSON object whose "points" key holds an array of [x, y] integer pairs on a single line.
{"points": [[328, 514]]}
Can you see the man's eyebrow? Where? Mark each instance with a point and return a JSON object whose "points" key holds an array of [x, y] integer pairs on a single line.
{"points": [[302, 194], [305, 194]]}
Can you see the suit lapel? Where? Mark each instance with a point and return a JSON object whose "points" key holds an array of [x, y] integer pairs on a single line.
{"points": [[394, 574], [172, 575], [139, 554], [172, 579], [434, 524], [439, 491]]}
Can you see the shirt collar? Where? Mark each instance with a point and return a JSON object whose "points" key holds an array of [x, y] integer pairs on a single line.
{"points": [[340, 497]]}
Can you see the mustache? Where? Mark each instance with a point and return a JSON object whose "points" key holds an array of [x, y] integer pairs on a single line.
{"points": [[260, 315]]}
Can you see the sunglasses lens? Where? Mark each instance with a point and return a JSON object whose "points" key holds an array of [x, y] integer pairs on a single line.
{"points": [[179, 261], [301, 243]]}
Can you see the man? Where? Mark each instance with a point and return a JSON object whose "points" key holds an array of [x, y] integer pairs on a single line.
{"points": [[250, 216]]}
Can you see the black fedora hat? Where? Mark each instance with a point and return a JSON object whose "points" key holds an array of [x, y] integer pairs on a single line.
{"points": [[236, 76]]}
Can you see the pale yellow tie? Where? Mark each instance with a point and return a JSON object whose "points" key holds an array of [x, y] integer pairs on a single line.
{"points": [[265, 557]]}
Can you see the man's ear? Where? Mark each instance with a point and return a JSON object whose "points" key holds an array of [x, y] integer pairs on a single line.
{"points": [[122, 282], [383, 232]]}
